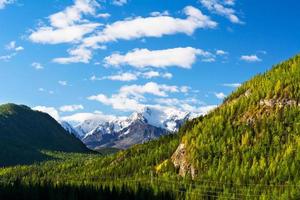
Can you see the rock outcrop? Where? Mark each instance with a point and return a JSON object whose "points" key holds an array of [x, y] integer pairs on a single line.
{"points": [[180, 162]]}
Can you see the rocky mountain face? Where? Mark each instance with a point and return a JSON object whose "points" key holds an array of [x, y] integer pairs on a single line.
{"points": [[122, 133]]}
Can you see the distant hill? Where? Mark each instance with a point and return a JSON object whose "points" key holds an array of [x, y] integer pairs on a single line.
{"points": [[24, 133]]}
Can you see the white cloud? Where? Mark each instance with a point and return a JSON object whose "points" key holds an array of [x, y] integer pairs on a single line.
{"points": [[49, 110], [19, 48], [119, 2], [208, 60], [220, 95], [118, 102], [220, 52], [164, 13], [186, 105], [219, 7], [3, 3], [7, 57], [250, 58], [37, 66], [81, 117], [149, 88], [67, 26], [44, 90], [13, 49], [154, 74], [132, 76], [141, 58], [130, 96], [122, 77], [13, 46], [229, 2], [233, 85], [74, 13], [103, 15], [71, 108], [63, 83], [80, 54], [50, 35], [152, 27]]}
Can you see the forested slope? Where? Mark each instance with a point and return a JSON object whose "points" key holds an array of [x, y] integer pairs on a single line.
{"points": [[24, 133]]}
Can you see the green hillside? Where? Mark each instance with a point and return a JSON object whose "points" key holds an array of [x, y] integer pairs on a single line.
{"points": [[24, 133], [247, 148], [254, 137]]}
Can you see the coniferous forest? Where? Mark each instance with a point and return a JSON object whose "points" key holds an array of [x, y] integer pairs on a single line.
{"points": [[247, 148]]}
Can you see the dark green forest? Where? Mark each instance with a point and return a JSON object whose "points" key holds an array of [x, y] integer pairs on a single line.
{"points": [[247, 148], [24, 133]]}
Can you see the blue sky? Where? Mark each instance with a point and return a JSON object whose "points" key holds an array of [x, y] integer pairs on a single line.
{"points": [[113, 57]]}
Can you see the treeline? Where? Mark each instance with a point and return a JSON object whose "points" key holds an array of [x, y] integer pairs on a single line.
{"points": [[47, 191]]}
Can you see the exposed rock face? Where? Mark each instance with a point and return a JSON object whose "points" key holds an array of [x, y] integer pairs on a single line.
{"points": [[179, 159], [278, 102]]}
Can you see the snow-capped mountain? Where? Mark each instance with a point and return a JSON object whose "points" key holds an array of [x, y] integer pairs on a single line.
{"points": [[139, 127]]}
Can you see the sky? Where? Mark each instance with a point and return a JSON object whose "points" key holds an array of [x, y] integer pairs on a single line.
{"points": [[78, 59]]}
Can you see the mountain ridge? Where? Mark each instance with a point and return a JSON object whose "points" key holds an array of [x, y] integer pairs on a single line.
{"points": [[122, 133], [24, 133]]}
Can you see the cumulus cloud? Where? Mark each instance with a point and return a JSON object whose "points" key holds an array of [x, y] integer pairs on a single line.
{"points": [[63, 83], [156, 13], [7, 57], [141, 58], [149, 88], [119, 2], [13, 50], [220, 95], [70, 26], [67, 26], [132, 76], [81, 117], [154, 74], [103, 15], [13, 46], [71, 108], [187, 105], [127, 76], [130, 96], [250, 58], [77, 55], [233, 85], [49, 110], [50, 35], [151, 27], [221, 8], [3, 3], [221, 52], [37, 65]]}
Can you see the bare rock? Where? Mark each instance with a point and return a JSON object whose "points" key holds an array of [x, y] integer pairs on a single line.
{"points": [[179, 160]]}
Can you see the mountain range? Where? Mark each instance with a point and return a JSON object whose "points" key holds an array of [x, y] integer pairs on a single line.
{"points": [[121, 133]]}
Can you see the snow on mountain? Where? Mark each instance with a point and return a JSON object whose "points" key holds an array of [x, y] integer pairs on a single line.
{"points": [[139, 127]]}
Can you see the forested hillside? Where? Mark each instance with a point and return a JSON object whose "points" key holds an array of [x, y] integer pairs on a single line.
{"points": [[24, 133], [247, 148]]}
